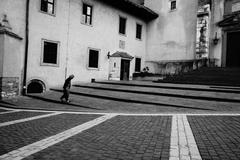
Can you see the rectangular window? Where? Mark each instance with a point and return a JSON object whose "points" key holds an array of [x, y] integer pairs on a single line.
{"points": [[137, 64], [139, 31], [93, 58], [87, 14], [50, 52], [173, 5], [48, 6], [122, 25]]}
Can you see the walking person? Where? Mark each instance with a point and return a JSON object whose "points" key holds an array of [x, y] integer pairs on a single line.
{"points": [[66, 89]]}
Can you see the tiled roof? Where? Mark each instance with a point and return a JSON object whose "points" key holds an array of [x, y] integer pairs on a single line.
{"points": [[135, 9], [122, 54]]}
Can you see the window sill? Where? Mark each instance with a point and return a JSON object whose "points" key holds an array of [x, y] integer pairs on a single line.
{"points": [[172, 10], [124, 35], [49, 64], [93, 69], [54, 15], [90, 25], [138, 39]]}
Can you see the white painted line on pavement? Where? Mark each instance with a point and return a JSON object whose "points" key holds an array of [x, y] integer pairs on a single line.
{"points": [[194, 152], [183, 145], [133, 114], [129, 114], [174, 143], [45, 143], [12, 111], [27, 119]]}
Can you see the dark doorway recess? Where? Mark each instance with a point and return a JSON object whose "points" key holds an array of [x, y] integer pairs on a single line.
{"points": [[125, 64], [35, 86], [233, 49]]}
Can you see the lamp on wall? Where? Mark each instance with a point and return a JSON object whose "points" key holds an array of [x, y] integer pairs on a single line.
{"points": [[108, 55], [215, 39]]}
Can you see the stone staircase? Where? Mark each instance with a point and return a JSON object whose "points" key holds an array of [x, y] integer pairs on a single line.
{"points": [[138, 96], [207, 76]]}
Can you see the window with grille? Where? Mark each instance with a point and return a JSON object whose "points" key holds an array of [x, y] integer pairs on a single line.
{"points": [[87, 14], [48, 6], [139, 31], [173, 5], [122, 25]]}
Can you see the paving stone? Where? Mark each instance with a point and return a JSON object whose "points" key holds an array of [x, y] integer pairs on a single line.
{"points": [[19, 115], [21, 134], [214, 136], [120, 130]]}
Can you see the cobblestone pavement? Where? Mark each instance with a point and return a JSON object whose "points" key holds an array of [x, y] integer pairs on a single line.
{"points": [[18, 135], [217, 137], [124, 137], [103, 136], [18, 115]]}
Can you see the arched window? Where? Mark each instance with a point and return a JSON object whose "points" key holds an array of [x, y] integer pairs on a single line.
{"points": [[36, 86]]}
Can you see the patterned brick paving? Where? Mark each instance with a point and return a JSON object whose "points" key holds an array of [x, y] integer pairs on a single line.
{"points": [[18, 115], [123, 137], [21, 134], [217, 137]]}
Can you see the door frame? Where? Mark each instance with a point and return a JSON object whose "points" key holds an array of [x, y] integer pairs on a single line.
{"points": [[128, 70]]}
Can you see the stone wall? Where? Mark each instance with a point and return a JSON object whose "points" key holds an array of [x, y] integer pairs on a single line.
{"points": [[9, 87], [175, 67]]}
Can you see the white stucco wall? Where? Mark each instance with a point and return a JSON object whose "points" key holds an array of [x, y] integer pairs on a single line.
{"points": [[49, 27], [216, 51], [102, 35], [74, 38], [13, 58], [1, 54], [172, 35], [12, 49]]}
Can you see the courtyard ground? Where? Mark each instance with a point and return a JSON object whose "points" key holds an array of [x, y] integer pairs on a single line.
{"points": [[127, 120]]}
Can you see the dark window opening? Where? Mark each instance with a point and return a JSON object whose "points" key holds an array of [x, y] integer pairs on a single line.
{"points": [[93, 58], [87, 14], [122, 25], [137, 64], [35, 87], [139, 31], [173, 5], [50, 52], [47, 6]]}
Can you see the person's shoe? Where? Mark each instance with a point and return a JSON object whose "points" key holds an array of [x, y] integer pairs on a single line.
{"points": [[68, 101]]}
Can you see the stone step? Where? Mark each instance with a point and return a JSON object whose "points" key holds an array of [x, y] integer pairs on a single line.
{"points": [[210, 95], [207, 76], [154, 96], [170, 85]]}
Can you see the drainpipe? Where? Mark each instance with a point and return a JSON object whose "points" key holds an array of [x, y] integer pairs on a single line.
{"points": [[24, 90], [68, 28]]}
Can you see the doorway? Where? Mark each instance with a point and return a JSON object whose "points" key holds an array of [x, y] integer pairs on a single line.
{"points": [[233, 49], [124, 73]]}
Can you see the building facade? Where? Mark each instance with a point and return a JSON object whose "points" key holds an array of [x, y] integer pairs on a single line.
{"points": [[44, 41], [92, 39]]}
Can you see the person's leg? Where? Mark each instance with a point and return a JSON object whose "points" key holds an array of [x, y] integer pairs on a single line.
{"points": [[64, 95], [67, 95]]}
